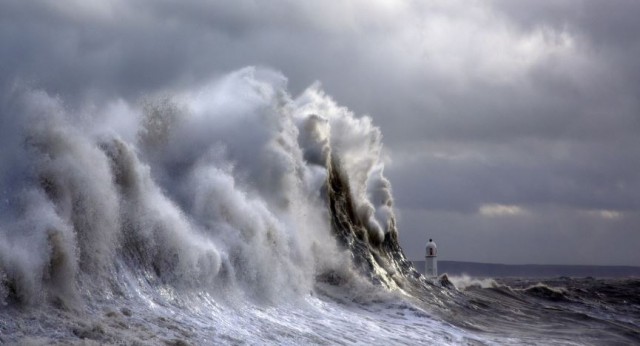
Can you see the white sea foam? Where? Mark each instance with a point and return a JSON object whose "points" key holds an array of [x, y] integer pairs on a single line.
{"points": [[463, 282]]}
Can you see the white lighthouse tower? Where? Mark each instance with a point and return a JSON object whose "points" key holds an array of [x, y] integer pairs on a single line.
{"points": [[431, 260]]}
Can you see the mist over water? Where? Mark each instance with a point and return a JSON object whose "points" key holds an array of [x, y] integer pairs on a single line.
{"points": [[232, 212]]}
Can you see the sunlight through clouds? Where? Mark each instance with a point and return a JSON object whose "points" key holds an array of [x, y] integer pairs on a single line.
{"points": [[497, 210]]}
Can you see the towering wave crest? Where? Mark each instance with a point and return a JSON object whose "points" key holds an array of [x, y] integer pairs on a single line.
{"points": [[234, 187]]}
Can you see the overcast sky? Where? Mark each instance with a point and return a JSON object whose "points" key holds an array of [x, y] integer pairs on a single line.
{"points": [[512, 128]]}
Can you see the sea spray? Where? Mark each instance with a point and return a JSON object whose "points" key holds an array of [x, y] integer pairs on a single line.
{"points": [[233, 184]]}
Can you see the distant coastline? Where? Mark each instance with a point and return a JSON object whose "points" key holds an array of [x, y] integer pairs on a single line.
{"points": [[530, 270]]}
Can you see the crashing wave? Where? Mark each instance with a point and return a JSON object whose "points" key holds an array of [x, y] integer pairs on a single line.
{"points": [[233, 187]]}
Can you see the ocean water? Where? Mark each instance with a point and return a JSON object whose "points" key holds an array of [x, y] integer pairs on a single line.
{"points": [[235, 213]]}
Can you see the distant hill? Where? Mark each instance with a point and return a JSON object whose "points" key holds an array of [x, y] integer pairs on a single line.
{"points": [[530, 270]]}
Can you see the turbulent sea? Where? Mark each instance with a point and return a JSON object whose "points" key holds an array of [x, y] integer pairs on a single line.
{"points": [[235, 213]]}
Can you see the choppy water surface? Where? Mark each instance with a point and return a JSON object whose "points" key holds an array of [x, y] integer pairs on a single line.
{"points": [[509, 311]]}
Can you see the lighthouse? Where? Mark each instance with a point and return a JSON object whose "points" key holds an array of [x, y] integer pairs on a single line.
{"points": [[431, 260]]}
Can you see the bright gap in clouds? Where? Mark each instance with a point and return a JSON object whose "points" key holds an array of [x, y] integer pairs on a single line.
{"points": [[606, 214], [496, 210]]}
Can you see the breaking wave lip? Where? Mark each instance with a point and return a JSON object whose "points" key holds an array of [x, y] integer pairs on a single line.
{"points": [[217, 214], [463, 282]]}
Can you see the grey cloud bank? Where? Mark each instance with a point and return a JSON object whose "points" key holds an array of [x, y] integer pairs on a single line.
{"points": [[512, 128]]}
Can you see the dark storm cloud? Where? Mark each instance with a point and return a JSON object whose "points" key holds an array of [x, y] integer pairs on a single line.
{"points": [[127, 48], [529, 104]]}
